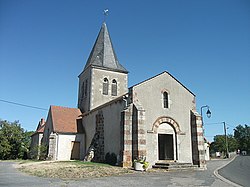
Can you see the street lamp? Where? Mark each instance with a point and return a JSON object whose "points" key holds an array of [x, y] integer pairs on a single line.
{"points": [[208, 111], [208, 115]]}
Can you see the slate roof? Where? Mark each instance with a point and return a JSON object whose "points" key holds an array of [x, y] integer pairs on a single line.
{"points": [[66, 120], [103, 54]]}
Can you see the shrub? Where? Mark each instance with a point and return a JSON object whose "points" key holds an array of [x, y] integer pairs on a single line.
{"points": [[111, 159]]}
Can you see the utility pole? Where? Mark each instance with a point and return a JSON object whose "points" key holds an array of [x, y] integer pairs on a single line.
{"points": [[225, 131]]}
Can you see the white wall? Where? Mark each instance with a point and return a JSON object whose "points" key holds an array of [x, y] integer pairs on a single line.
{"points": [[207, 152], [181, 102], [64, 145]]}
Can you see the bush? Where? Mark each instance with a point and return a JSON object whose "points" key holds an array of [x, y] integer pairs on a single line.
{"points": [[107, 158], [42, 152], [39, 152], [111, 159]]}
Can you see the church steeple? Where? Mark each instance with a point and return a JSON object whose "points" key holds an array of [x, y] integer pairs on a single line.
{"points": [[103, 78], [103, 54]]}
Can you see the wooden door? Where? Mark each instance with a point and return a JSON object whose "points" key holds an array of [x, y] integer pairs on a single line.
{"points": [[75, 151], [165, 147]]}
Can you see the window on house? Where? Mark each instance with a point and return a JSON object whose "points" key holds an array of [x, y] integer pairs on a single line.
{"points": [[165, 100], [105, 86], [114, 88]]}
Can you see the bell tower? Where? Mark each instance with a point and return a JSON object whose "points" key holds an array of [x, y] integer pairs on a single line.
{"points": [[103, 77]]}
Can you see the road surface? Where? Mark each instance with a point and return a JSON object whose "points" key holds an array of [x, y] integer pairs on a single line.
{"points": [[9, 176], [237, 171]]}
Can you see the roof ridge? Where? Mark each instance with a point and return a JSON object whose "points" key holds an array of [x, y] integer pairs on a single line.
{"points": [[159, 75], [62, 107]]}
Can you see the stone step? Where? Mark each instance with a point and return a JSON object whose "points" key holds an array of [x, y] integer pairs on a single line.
{"points": [[174, 166]]}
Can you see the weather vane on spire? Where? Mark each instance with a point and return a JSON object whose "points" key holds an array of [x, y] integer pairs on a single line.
{"points": [[105, 13]]}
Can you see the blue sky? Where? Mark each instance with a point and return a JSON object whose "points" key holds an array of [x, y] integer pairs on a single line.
{"points": [[205, 44]]}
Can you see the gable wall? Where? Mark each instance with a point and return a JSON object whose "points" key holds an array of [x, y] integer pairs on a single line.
{"points": [[150, 95], [48, 129]]}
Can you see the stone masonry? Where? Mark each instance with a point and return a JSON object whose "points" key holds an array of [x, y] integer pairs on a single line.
{"points": [[139, 133], [126, 137], [99, 152], [198, 149]]}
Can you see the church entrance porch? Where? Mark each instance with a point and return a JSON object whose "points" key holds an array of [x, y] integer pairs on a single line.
{"points": [[165, 147]]}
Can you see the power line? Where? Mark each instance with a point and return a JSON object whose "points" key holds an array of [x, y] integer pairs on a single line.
{"points": [[213, 123], [20, 104]]}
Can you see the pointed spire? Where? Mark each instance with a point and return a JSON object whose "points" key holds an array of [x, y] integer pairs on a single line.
{"points": [[103, 54]]}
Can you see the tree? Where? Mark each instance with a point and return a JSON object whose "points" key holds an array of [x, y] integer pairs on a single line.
{"points": [[14, 141], [219, 144], [242, 135], [232, 143]]}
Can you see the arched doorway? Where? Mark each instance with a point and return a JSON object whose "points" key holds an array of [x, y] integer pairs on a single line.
{"points": [[166, 142], [166, 129]]}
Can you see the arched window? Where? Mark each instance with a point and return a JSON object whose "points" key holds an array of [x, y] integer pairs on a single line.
{"points": [[105, 86], [114, 88], [165, 100]]}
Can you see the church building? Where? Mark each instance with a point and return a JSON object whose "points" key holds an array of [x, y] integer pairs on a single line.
{"points": [[155, 119]]}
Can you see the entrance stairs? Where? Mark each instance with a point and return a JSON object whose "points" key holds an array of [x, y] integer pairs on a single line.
{"points": [[174, 166]]}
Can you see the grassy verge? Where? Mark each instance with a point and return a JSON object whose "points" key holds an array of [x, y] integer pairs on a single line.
{"points": [[71, 169]]}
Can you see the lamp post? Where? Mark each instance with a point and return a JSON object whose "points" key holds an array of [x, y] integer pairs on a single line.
{"points": [[208, 111], [208, 115]]}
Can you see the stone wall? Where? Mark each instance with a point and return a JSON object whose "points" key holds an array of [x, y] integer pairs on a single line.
{"points": [[198, 149], [139, 132], [52, 146], [99, 152], [133, 135], [126, 137]]}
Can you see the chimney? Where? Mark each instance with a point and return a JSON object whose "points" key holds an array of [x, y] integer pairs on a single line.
{"points": [[42, 122]]}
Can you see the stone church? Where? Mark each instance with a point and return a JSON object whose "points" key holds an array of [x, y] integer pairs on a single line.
{"points": [[155, 118]]}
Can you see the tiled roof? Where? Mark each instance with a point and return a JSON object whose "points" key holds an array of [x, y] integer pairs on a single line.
{"points": [[103, 54], [66, 120], [40, 127]]}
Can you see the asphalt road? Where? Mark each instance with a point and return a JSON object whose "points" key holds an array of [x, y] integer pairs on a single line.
{"points": [[237, 171], [9, 176]]}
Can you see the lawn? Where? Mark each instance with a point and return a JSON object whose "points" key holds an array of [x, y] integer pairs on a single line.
{"points": [[70, 169]]}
